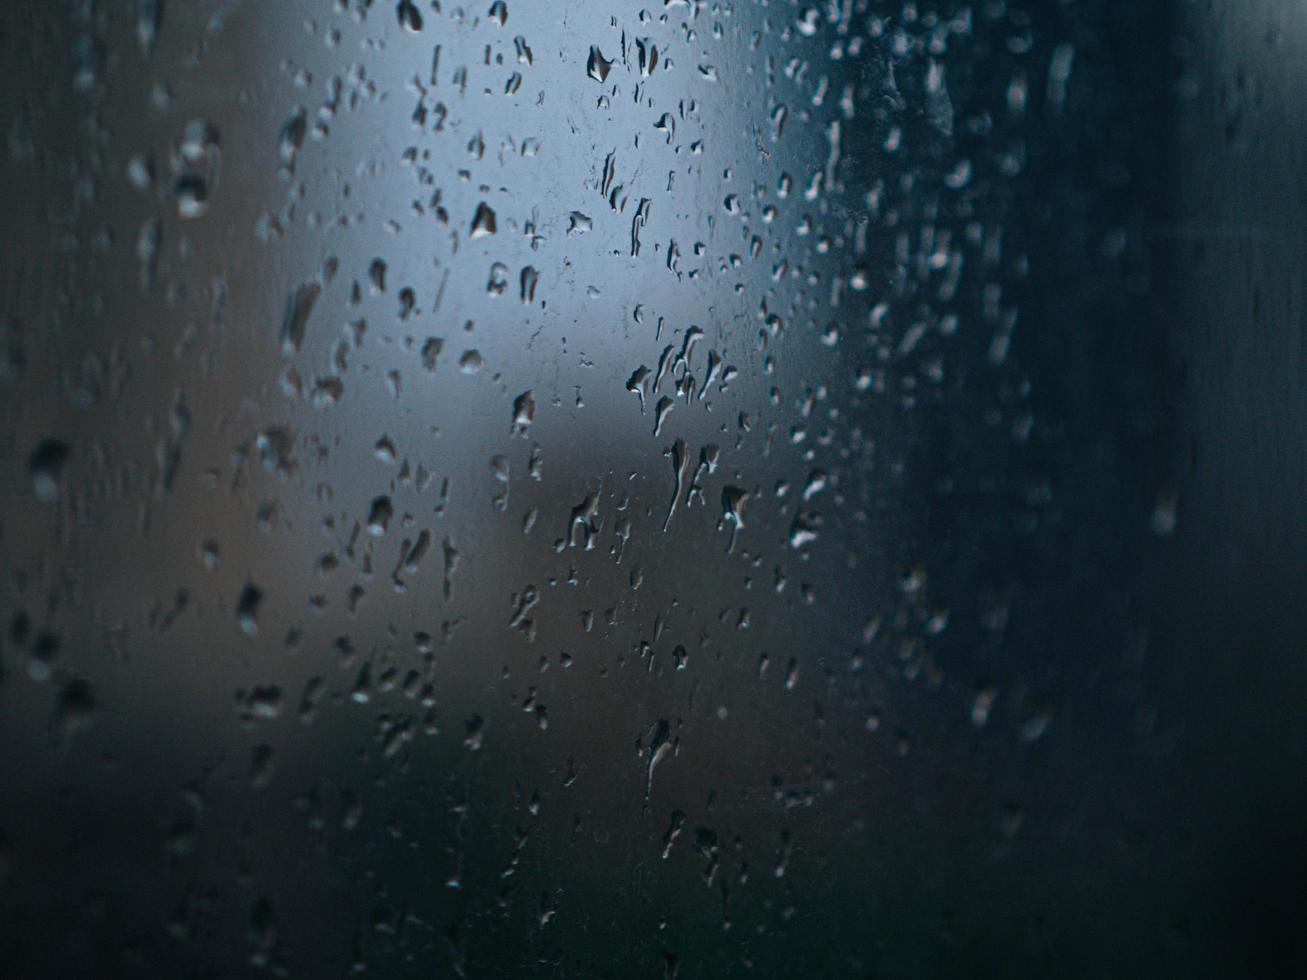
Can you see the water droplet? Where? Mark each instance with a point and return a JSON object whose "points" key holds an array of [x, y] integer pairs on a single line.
{"points": [[45, 466], [379, 515], [483, 222], [295, 323], [524, 411], [410, 18], [597, 66], [377, 275], [247, 608], [529, 279], [733, 503], [431, 349]]}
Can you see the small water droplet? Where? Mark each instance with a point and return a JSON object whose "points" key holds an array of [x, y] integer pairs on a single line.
{"points": [[294, 324], [379, 515], [410, 18], [247, 608], [45, 466], [524, 411], [483, 222]]}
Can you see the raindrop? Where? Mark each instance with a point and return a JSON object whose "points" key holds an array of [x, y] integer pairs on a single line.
{"points": [[431, 349], [733, 502], [192, 196], [379, 515], [247, 608], [483, 222], [295, 323], [528, 284], [76, 707], [292, 135], [45, 466], [524, 410], [410, 18], [377, 275], [597, 66]]}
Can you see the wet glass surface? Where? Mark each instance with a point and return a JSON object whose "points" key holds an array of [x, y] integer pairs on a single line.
{"points": [[678, 489]]}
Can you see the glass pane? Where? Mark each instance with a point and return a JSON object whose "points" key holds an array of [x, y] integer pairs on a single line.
{"points": [[670, 489]]}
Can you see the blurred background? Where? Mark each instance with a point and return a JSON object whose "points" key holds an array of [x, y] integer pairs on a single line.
{"points": [[693, 489]]}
